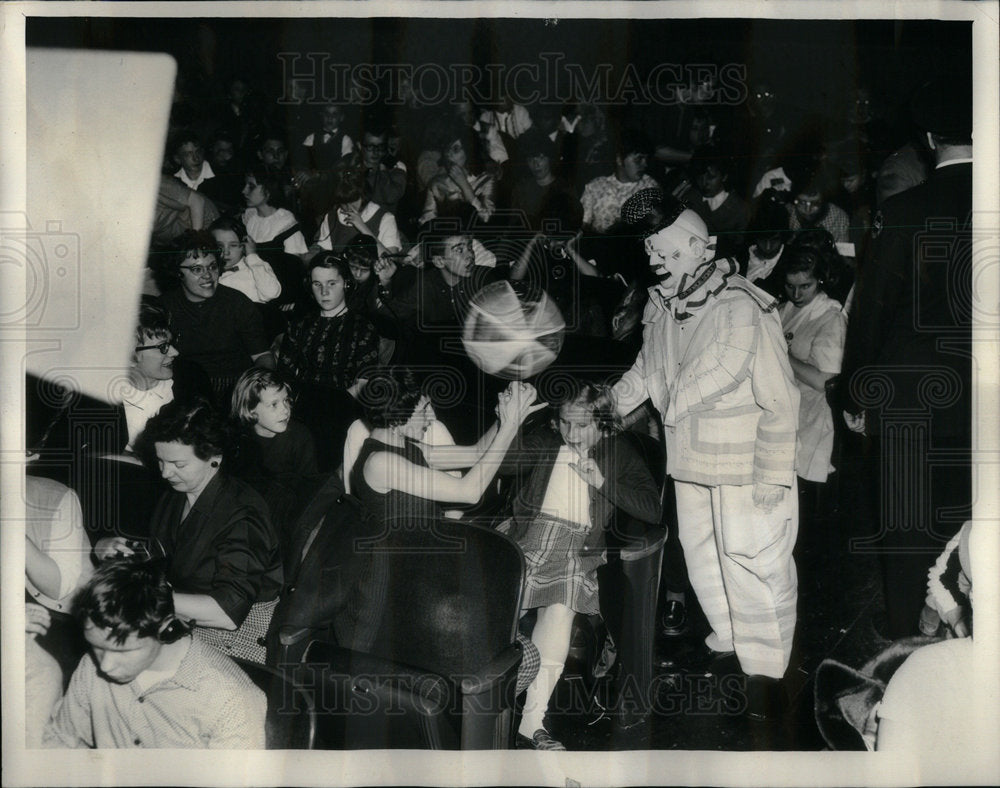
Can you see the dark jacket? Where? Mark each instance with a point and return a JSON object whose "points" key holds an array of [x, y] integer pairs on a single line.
{"points": [[226, 546], [911, 320], [628, 483]]}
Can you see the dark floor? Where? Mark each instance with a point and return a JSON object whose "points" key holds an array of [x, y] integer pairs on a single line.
{"points": [[840, 610]]}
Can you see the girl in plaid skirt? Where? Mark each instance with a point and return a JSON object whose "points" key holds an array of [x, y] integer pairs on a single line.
{"points": [[581, 472]]}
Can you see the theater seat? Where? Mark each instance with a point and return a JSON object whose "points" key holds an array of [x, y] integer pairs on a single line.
{"points": [[441, 670]]}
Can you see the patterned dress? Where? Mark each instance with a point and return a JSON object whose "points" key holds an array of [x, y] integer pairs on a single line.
{"points": [[328, 351], [323, 356]]}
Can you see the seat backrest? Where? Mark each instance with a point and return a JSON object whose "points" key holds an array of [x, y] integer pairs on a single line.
{"points": [[452, 599], [328, 587]]}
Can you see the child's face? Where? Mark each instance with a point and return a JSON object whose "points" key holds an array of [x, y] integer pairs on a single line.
{"points": [[359, 272], [254, 193], [578, 427], [230, 246], [120, 662], [272, 412]]}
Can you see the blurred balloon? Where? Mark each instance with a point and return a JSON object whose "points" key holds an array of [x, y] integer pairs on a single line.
{"points": [[513, 331]]}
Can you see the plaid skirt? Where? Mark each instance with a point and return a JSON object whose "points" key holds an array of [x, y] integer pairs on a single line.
{"points": [[559, 570], [249, 640]]}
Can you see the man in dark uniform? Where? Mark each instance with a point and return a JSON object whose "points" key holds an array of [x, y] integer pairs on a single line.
{"points": [[907, 371]]}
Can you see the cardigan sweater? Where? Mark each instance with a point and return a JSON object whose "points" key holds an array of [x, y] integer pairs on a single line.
{"points": [[720, 378]]}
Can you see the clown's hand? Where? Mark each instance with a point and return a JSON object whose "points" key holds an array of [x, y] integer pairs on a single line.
{"points": [[767, 496]]}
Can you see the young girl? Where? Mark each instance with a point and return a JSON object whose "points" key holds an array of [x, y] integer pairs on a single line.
{"points": [[581, 472], [271, 442], [457, 183], [266, 221], [274, 453], [242, 268]]}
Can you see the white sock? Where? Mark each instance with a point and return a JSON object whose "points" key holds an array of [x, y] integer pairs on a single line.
{"points": [[536, 701]]}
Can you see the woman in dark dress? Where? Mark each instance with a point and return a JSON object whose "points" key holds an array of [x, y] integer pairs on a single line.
{"points": [[398, 477], [221, 549]]}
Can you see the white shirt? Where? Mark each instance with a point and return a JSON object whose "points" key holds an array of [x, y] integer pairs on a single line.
{"points": [[141, 406], [54, 524], [567, 496], [253, 277], [717, 200], [204, 175], [263, 228]]}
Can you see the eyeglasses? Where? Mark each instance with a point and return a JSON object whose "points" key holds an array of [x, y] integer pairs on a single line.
{"points": [[163, 347], [808, 203], [462, 246], [198, 270]]}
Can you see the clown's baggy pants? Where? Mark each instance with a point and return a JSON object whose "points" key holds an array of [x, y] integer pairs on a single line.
{"points": [[741, 568]]}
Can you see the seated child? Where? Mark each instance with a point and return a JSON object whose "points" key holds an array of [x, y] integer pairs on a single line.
{"points": [[147, 682], [580, 473], [242, 268], [270, 438], [275, 454]]}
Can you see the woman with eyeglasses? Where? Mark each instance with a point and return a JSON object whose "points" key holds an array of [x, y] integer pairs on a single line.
{"points": [[218, 328], [157, 375], [461, 179]]}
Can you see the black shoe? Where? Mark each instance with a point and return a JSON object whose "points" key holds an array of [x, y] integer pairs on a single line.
{"points": [[674, 620], [541, 739], [766, 698]]}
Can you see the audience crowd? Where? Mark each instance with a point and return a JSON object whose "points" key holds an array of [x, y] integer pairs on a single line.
{"points": [[304, 255]]}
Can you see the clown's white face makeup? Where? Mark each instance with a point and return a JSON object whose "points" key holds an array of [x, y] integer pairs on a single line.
{"points": [[674, 255]]}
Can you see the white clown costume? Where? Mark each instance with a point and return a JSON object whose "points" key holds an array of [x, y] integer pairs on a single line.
{"points": [[714, 363]]}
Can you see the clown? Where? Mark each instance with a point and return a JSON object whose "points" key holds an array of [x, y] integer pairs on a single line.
{"points": [[714, 364]]}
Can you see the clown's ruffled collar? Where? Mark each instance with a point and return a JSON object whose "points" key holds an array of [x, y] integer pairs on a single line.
{"points": [[696, 289]]}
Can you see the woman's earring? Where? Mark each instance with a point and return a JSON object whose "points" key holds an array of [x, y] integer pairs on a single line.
{"points": [[214, 463]]}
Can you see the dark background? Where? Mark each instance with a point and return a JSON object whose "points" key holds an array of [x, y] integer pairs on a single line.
{"points": [[817, 62]]}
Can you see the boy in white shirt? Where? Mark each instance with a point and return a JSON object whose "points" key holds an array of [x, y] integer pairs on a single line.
{"points": [[242, 268]]}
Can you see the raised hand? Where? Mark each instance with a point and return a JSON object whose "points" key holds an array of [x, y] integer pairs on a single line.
{"points": [[351, 216], [385, 268], [517, 402]]}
